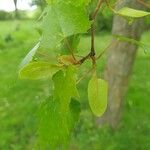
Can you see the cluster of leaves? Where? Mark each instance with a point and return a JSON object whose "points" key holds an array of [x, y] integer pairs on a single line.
{"points": [[62, 23], [59, 113]]}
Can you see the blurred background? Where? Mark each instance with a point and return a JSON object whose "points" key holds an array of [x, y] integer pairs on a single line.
{"points": [[20, 99]]}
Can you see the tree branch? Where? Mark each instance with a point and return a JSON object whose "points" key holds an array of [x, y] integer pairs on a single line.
{"points": [[97, 9], [144, 3], [92, 53], [105, 49]]}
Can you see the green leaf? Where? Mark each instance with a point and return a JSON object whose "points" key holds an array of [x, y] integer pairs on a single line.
{"points": [[97, 95], [55, 126], [75, 2], [63, 20], [144, 46], [80, 2], [38, 70], [127, 39], [65, 86], [53, 129], [29, 56], [133, 13], [49, 1], [75, 110], [73, 44]]}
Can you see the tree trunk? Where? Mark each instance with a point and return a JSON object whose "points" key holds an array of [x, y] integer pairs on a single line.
{"points": [[120, 61], [16, 10]]}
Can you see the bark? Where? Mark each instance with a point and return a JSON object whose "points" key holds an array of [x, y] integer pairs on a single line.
{"points": [[120, 62]]}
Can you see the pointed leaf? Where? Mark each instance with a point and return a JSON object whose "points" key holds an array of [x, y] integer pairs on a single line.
{"points": [[55, 125], [97, 95], [73, 44], [63, 20], [38, 70], [144, 46], [133, 13], [53, 130], [59, 113], [75, 2], [65, 86], [75, 110], [29, 56], [127, 39]]}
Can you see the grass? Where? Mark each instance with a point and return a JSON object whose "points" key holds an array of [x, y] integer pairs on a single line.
{"points": [[19, 99]]}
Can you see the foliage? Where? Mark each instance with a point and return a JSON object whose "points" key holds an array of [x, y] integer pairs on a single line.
{"points": [[61, 20], [57, 118], [38, 70], [129, 12], [19, 99], [57, 17], [97, 94]]}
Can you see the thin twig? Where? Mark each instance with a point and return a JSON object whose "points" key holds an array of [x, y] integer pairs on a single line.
{"points": [[84, 58], [92, 40], [117, 2], [105, 49], [140, 1], [110, 7], [97, 9], [92, 26], [92, 53], [144, 3]]}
